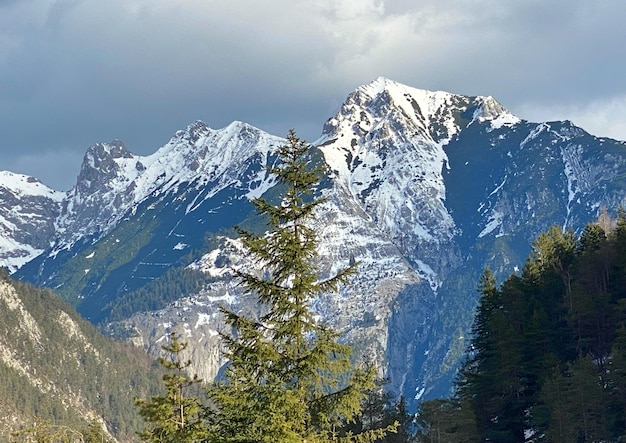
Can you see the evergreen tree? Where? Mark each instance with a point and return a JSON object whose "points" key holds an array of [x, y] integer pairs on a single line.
{"points": [[94, 433], [379, 409], [44, 431], [289, 379], [446, 421], [548, 359], [398, 413], [175, 417], [617, 376], [493, 379], [577, 404]]}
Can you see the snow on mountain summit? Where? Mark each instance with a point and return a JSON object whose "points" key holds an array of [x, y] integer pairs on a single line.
{"points": [[24, 185], [435, 113], [386, 146]]}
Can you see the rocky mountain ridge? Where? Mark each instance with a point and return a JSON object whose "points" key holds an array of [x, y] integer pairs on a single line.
{"points": [[425, 189]]}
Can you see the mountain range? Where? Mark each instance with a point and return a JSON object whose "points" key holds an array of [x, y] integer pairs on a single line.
{"points": [[423, 188]]}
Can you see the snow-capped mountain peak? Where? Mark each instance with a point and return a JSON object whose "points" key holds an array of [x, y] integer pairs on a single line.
{"points": [[435, 114], [424, 112], [489, 109], [24, 185], [386, 146], [102, 163]]}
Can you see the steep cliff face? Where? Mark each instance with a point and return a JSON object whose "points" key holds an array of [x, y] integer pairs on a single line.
{"points": [[387, 147], [424, 188]]}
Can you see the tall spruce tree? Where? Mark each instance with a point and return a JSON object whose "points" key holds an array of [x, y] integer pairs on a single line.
{"points": [[289, 378]]}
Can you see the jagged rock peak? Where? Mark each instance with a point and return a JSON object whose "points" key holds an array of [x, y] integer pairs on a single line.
{"points": [[194, 132], [100, 164], [490, 107], [199, 129], [384, 104], [101, 151], [199, 144]]}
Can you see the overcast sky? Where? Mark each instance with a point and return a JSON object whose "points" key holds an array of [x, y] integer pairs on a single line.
{"points": [[77, 72]]}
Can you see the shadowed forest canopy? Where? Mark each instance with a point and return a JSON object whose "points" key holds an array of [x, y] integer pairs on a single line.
{"points": [[548, 356]]}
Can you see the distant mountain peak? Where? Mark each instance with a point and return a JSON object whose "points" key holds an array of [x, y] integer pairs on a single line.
{"points": [[115, 149], [100, 164], [429, 108], [194, 131], [489, 109]]}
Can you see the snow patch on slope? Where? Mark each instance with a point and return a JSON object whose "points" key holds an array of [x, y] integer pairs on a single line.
{"points": [[494, 222], [577, 175]]}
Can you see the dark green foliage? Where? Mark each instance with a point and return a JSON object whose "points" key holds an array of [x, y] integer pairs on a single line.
{"points": [[379, 410], [92, 267], [45, 431], [174, 284], [548, 355], [446, 421], [175, 417], [289, 378], [576, 404]]}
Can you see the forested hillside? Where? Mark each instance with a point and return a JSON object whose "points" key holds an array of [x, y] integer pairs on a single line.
{"points": [[57, 371], [548, 355]]}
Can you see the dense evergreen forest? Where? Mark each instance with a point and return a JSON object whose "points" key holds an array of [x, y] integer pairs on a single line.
{"points": [[548, 356]]}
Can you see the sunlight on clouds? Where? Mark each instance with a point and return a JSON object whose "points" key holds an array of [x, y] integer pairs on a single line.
{"points": [[351, 10], [362, 35], [352, 27]]}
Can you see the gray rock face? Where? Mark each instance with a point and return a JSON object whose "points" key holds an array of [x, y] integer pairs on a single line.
{"points": [[101, 191]]}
